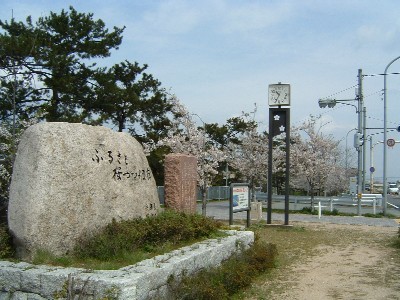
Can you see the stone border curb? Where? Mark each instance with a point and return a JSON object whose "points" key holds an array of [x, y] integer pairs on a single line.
{"points": [[144, 280]]}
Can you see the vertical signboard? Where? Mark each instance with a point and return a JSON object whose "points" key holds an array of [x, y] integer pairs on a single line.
{"points": [[279, 123], [239, 200]]}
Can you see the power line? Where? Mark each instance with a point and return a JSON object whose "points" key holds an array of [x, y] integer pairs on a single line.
{"points": [[345, 90], [374, 93], [380, 120]]}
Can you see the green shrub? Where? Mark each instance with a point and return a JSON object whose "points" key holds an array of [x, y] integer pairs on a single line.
{"points": [[6, 248], [334, 212], [380, 215], [308, 210], [233, 275], [145, 234], [202, 286], [396, 242]]}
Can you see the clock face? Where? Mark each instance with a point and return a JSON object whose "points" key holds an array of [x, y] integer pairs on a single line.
{"points": [[279, 94]]}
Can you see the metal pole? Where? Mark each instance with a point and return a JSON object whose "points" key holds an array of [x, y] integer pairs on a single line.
{"points": [[269, 186], [364, 148], [385, 136], [359, 149], [248, 207], [231, 205], [371, 164], [287, 167]]}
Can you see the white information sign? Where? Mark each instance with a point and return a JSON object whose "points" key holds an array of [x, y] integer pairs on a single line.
{"points": [[240, 197]]}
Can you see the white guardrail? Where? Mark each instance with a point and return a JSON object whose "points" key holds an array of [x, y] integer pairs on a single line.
{"points": [[373, 200]]}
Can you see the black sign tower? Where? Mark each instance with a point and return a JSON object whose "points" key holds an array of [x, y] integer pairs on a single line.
{"points": [[279, 123]]}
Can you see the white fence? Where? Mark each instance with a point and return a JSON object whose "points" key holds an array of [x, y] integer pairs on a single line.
{"points": [[213, 193], [298, 202]]}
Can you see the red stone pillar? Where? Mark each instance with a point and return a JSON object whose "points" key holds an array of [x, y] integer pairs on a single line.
{"points": [[181, 182]]}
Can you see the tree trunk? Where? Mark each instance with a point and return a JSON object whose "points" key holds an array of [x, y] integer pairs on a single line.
{"points": [[252, 190], [312, 197], [121, 126]]}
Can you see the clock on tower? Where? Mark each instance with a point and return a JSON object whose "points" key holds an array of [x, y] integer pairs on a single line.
{"points": [[279, 94]]}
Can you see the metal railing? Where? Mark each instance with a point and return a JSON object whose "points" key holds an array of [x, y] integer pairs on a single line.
{"points": [[213, 193]]}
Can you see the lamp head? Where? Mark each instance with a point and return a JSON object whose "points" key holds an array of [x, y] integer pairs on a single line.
{"points": [[321, 103], [327, 102]]}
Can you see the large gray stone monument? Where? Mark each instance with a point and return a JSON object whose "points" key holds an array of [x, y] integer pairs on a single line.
{"points": [[72, 179]]}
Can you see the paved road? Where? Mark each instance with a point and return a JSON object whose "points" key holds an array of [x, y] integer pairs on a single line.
{"points": [[220, 210]]}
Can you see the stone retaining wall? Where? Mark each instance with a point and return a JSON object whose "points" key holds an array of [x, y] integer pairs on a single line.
{"points": [[144, 280]]}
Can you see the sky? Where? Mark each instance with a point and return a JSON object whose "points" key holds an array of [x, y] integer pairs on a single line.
{"points": [[219, 56]]}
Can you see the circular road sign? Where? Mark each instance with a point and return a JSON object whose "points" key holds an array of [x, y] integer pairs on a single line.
{"points": [[390, 142], [372, 169]]}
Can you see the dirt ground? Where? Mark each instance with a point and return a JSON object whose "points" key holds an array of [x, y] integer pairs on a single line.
{"points": [[328, 261]]}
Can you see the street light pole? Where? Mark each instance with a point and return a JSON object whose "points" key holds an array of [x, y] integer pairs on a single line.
{"points": [[385, 135]]}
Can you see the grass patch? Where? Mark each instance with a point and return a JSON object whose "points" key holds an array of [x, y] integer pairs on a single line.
{"points": [[396, 242], [233, 275], [380, 215]]}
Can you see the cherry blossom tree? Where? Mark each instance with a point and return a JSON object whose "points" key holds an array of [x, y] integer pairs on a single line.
{"points": [[185, 137], [248, 153], [337, 180], [314, 158], [250, 158]]}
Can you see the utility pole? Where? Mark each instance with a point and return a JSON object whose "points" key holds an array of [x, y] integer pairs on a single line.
{"points": [[360, 149], [364, 148], [359, 142]]}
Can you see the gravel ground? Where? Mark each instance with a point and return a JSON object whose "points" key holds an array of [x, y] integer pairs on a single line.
{"points": [[336, 257], [333, 261]]}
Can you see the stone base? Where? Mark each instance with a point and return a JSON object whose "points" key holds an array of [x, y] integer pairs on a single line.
{"points": [[144, 280]]}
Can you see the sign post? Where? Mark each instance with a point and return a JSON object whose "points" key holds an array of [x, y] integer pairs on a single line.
{"points": [[239, 200], [391, 142]]}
